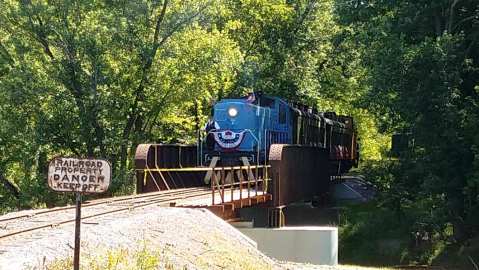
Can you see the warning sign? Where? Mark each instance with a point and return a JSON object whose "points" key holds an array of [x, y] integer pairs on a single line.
{"points": [[79, 175]]}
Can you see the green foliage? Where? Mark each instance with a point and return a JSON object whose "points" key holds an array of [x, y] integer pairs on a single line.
{"points": [[298, 51], [390, 240], [416, 220], [96, 79], [422, 66]]}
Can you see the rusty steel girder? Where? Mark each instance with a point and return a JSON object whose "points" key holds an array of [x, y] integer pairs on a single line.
{"points": [[298, 173], [150, 158]]}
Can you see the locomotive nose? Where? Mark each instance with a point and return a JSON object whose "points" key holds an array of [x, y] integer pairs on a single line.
{"points": [[237, 123]]}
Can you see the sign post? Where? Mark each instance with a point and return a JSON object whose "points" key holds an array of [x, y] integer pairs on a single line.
{"points": [[76, 255], [80, 176]]}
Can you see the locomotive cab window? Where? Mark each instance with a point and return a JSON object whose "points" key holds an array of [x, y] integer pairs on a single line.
{"points": [[266, 102], [282, 114]]}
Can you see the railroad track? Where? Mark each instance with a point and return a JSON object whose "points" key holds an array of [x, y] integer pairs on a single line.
{"points": [[24, 223]]}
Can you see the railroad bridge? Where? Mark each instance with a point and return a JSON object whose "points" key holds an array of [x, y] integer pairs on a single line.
{"points": [[167, 175], [293, 173]]}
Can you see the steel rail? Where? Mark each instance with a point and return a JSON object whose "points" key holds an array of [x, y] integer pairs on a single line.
{"points": [[104, 201], [160, 200]]}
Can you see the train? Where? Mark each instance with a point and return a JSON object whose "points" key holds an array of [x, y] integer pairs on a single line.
{"points": [[256, 150], [242, 130]]}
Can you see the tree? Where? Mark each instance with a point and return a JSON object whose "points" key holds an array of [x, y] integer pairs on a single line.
{"points": [[422, 59], [93, 79]]}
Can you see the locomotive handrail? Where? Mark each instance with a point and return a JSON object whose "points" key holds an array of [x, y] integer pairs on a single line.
{"points": [[205, 169], [219, 183], [259, 180]]}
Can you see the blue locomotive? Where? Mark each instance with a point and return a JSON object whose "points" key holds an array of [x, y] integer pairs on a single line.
{"points": [[246, 127]]}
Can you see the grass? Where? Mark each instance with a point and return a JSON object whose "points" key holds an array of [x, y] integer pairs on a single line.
{"points": [[355, 267], [120, 259], [150, 257], [371, 236]]}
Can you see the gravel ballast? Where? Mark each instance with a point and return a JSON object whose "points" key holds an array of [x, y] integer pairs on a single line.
{"points": [[186, 238], [177, 238]]}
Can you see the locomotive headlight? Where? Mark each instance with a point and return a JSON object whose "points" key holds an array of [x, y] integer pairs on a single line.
{"points": [[232, 112]]}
